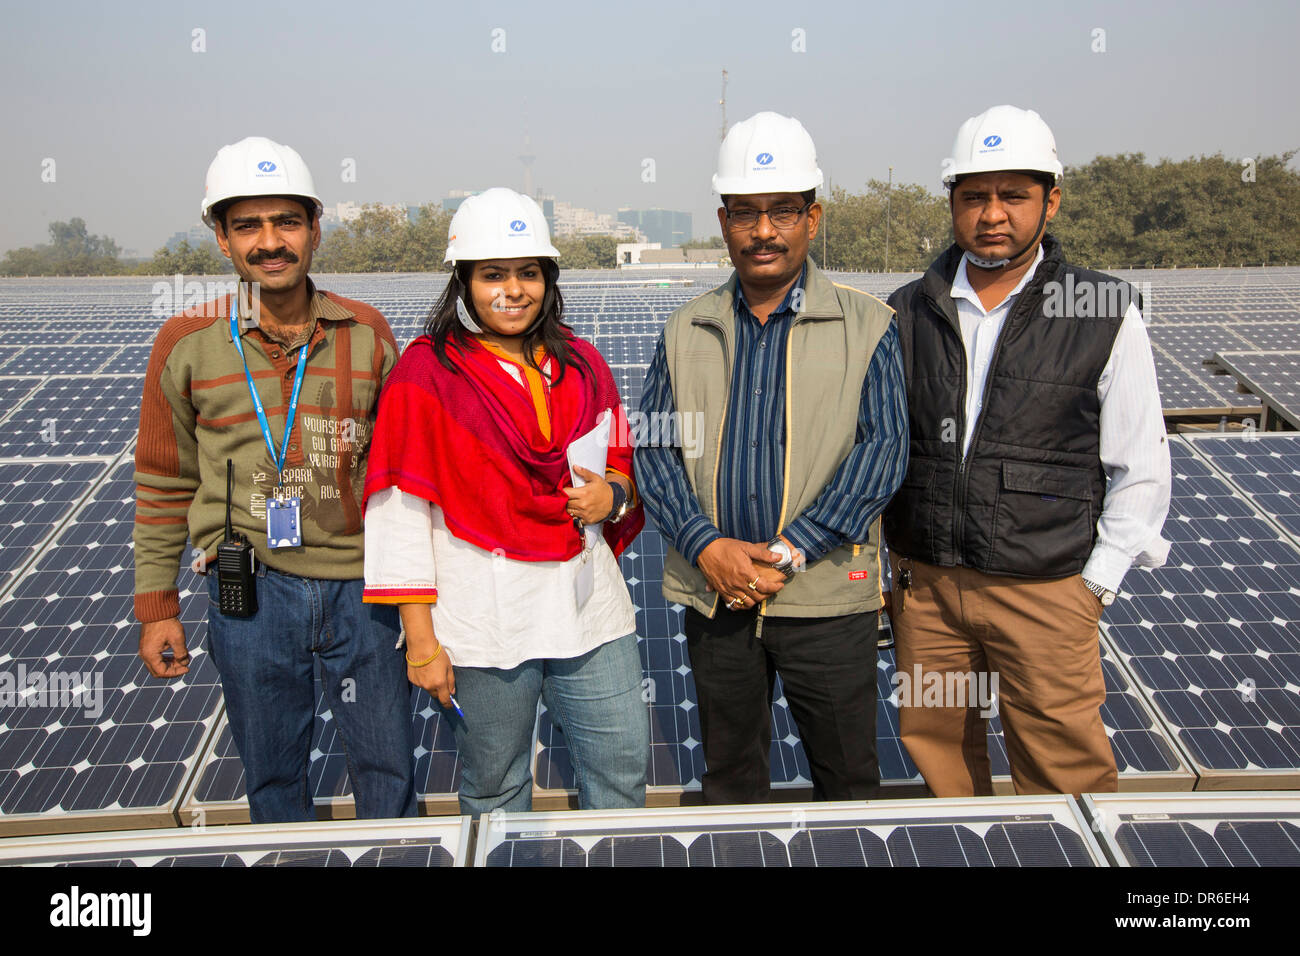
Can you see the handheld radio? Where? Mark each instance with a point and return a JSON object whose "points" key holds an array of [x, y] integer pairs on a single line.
{"points": [[236, 564]]}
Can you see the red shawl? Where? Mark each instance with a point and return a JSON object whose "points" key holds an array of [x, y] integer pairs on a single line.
{"points": [[470, 442]]}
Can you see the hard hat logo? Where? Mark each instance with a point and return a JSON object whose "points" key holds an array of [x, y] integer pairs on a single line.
{"points": [[1030, 145], [257, 166], [747, 157], [498, 222]]}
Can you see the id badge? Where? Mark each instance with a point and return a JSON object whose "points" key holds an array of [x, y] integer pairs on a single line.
{"points": [[584, 581], [283, 529]]}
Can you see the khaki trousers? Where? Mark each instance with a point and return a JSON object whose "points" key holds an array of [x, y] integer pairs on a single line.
{"points": [[1040, 639]]}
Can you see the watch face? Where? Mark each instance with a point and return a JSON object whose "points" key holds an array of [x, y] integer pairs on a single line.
{"points": [[780, 547], [1107, 598]]}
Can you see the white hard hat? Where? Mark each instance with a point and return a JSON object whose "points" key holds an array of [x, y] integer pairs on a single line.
{"points": [[1002, 138], [767, 153], [256, 166], [499, 223]]}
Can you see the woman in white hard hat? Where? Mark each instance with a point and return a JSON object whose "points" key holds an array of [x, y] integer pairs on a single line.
{"points": [[475, 529]]}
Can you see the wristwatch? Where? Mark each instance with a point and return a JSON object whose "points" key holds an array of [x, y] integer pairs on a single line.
{"points": [[1107, 598], [786, 564], [620, 508]]}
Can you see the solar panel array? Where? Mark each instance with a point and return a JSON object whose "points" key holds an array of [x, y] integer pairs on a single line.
{"points": [[72, 358], [1197, 829], [979, 832]]}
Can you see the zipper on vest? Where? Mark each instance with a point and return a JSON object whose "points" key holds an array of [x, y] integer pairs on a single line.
{"points": [[963, 472], [722, 424]]}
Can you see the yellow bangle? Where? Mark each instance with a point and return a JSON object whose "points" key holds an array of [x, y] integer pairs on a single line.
{"points": [[424, 663]]}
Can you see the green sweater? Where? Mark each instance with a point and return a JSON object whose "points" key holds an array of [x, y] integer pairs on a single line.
{"points": [[196, 412]]}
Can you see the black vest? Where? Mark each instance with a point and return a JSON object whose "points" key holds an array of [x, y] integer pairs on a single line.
{"points": [[1025, 501]]}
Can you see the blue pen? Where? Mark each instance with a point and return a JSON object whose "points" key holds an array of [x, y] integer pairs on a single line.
{"points": [[456, 705]]}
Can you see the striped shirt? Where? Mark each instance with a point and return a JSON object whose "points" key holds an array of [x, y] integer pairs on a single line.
{"points": [[750, 471]]}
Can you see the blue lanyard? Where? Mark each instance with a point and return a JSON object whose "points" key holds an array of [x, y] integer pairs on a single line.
{"points": [[257, 401]]}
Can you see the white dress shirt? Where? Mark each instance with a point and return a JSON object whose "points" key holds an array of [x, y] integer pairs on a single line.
{"points": [[1133, 448], [492, 611]]}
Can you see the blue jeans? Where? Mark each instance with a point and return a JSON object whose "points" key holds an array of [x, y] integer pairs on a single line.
{"points": [[267, 667], [596, 701]]}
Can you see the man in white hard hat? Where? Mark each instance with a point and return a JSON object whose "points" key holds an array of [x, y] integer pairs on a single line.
{"points": [[282, 380], [796, 385], [1039, 473]]}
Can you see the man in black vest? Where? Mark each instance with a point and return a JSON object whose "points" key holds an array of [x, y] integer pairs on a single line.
{"points": [[1039, 474]]}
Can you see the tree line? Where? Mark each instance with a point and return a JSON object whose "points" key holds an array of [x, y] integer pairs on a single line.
{"points": [[1116, 212]]}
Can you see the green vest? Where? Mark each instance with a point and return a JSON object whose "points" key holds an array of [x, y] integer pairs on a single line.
{"points": [[828, 350]]}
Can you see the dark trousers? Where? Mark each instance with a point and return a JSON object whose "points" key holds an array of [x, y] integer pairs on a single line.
{"points": [[828, 669]]}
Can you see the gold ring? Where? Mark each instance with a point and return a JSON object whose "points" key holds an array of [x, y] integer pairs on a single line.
{"points": [[734, 603], [753, 585]]}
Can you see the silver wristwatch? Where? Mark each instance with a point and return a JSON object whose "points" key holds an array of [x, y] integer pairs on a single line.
{"points": [[1107, 598], [786, 563]]}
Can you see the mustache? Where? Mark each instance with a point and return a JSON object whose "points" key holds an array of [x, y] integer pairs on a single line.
{"points": [[257, 258], [760, 247]]}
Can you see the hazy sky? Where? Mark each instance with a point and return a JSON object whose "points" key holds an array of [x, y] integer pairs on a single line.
{"points": [[413, 92]]}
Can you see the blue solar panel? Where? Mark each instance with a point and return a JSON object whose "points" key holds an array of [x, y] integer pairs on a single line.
{"points": [[410, 843], [34, 498], [51, 359], [74, 416], [1198, 829], [1211, 636], [1266, 467], [1024, 831], [125, 744], [219, 783]]}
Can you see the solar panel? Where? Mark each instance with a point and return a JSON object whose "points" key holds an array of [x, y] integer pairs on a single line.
{"points": [[34, 499], [1265, 466], [987, 831], [48, 359], [1272, 376], [1197, 829], [1211, 636], [218, 790], [74, 416], [1270, 336], [89, 740], [425, 842], [1144, 753]]}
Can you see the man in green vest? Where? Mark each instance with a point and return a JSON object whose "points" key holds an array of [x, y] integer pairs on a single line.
{"points": [[795, 384]]}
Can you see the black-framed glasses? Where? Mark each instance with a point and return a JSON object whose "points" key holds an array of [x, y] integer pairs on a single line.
{"points": [[782, 217]]}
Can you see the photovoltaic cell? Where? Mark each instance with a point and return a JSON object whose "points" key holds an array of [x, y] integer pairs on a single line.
{"points": [[90, 730], [34, 498], [220, 781], [1198, 829], [1265, 467], [412, 843], [980, 832], [59, 359], [1272, 376], [74, 417], [1211, 636]]}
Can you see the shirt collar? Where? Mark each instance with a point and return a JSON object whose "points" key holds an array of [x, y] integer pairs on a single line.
{"points": [[320, 307], [785, 305], [961, 287]]}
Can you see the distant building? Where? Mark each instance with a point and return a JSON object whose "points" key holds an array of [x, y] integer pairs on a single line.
{"points": [[573, 221], [197, 235], [451, 202], [629, 253], [667, 227], [651, 256]]}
